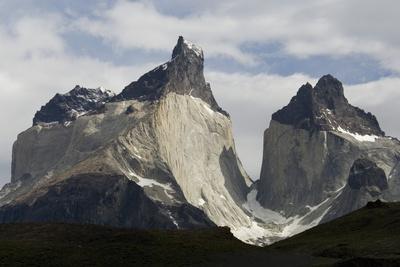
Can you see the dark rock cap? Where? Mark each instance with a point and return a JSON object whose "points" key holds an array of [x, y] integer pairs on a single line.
{"points": [[325, 108], [183, 75], [69, 106], [185, 48]]}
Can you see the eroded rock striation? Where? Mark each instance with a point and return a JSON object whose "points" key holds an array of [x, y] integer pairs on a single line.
{"points": [[158, 155], [324, 158]]}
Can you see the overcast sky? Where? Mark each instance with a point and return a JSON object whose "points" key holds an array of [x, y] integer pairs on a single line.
{"points": [[257, 54]]}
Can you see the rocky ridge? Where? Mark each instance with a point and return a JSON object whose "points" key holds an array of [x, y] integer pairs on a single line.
{"points": [[323, 158], [163, 142], [63, 108], [325, 108], [183, 75]]}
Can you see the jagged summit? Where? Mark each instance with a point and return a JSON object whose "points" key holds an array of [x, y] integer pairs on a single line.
{"points": [[183, 75], [67, 107], [186, 48], [324, 158], [324, 107]]}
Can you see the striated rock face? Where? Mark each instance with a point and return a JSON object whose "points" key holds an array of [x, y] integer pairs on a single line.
{"points": [[324, 158], [160, 154]]}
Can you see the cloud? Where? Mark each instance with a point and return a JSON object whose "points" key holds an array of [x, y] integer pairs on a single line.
{"points": [[381, 98], [305, 28], [139, 25]]}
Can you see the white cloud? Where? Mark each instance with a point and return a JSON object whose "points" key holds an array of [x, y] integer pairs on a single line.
{"points": [[304, 28], [381, 98], [139, 25]]}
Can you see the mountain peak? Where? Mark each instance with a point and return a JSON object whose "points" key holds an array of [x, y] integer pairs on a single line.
{"points": [[329, 81], [324, 107], [183, 75], [186, 48]]}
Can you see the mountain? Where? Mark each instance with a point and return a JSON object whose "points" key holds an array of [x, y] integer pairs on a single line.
{"points": [[158, 155], [322, 159], [161, 155]]}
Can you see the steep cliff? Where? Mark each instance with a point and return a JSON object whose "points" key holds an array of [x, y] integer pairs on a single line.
{"points": [[324, 158], [158, 155]]}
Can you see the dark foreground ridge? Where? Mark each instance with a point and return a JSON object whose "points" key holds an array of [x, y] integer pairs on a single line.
{"points": [[103, 199], [90, 245], [367, 237]]}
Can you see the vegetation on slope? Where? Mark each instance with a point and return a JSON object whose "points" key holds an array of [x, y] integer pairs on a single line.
{"points": [[90, 245], [367, 237]]}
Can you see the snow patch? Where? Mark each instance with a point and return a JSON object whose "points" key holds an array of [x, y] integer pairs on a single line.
{"points": [[8, 188], [197, 50], [359, 137], [173, 219], [295, 225], [201, 202], [209, 110], [204, 105], [254, 207], [143, 182], [253, 234], [276, 225], [134, 153], [325, 140]]}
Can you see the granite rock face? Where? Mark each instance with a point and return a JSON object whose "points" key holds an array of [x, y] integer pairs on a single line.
{"points": [[160, 154], [324, 158]]}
